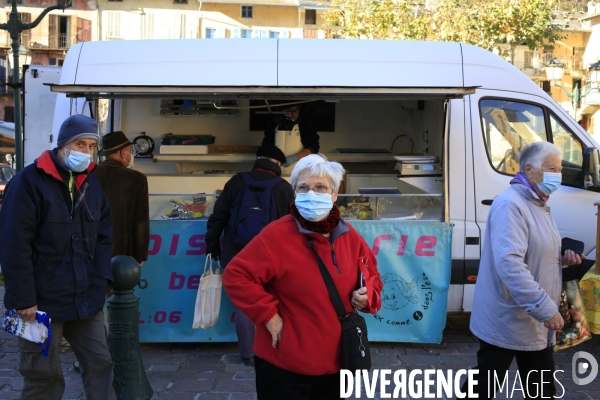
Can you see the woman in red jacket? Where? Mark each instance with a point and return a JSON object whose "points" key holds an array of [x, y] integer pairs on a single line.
{"points": [[275, 280]]}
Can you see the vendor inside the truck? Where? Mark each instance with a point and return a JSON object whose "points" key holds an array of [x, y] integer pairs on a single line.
{"points": [[302, 139]]}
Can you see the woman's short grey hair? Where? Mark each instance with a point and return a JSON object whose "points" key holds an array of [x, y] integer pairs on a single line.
{"points": [[317, 165], [535, 153]]}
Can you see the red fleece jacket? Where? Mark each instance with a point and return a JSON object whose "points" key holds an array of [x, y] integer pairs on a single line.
{"points": [[278, 272]]}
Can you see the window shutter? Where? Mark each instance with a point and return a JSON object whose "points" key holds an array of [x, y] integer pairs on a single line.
{"points": [[236, 33], [144, 27], [84, 28], [176, 27], [255, 33], [147, 26], [26, 34], [183, 32], [150, 30], [179, 26], [53, 31], [114, 25], [88, 29]]}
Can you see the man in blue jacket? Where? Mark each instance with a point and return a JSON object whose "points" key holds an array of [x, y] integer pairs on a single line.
{"points": [[55, 248]]}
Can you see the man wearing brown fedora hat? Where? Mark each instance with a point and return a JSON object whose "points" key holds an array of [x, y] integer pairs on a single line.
{"points": [[127, 194]]}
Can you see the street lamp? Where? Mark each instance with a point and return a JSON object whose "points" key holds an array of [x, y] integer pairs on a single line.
{"points": [[554, 72], [24, 57], [14, 27]]}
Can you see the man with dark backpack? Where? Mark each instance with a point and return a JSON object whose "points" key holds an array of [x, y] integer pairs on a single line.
{"points": [[248, 203]]}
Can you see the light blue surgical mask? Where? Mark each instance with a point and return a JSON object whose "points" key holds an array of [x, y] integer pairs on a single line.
{"points": [[550, 183], [76, 161], [313, 206]]}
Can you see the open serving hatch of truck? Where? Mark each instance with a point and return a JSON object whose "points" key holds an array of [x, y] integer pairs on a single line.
{"points": [[462, 110]]}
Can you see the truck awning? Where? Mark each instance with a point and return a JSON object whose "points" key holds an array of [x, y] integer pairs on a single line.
{"points": [[317, 93]]}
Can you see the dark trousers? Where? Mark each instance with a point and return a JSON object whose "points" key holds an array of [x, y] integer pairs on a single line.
{"points": [[43, 376], [496, 359], [244, 327], [274, 383]]}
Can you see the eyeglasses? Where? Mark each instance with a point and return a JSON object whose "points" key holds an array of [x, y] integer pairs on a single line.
{"points": [[319, 189], [292, 110]]}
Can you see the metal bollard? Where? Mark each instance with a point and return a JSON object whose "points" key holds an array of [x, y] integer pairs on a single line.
{"points": [[130, 381]]}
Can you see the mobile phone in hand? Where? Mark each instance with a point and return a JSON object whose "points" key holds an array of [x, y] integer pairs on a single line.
{"points": [[571, 244]]}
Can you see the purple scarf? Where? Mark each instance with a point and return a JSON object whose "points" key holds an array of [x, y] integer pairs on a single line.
{"points": [[522, 179]]}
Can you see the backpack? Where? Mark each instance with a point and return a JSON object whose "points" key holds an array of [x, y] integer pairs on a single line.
{"points": [[253, 209]]}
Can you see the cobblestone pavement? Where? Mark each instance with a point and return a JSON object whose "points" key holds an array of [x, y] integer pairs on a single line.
{"points": [[214, 370]]}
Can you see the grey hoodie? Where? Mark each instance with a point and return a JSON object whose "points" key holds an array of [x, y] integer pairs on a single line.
{"points": [[520, 276]]}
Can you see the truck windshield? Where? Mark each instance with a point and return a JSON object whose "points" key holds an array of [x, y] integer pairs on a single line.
{"points": [[510, 125]]}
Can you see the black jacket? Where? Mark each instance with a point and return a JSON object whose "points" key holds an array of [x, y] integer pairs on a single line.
{"points": [[219, 219], [127, 194], [308, 133], [55, 253]]}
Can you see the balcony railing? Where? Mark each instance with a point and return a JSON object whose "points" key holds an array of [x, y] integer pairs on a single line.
{"points": [[310, 33], [59, 41], [63, 41], [532, 63]]}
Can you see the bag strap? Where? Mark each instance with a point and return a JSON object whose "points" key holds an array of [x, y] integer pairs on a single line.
{"points": [[208, 263], [218, 265], [333, 292]]}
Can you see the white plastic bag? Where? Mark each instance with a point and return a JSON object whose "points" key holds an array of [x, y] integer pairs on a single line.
{"points": [[208, 299], [38, 331]]}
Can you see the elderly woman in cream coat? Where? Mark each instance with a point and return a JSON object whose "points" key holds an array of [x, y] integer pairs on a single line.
{"points": [[515, 308]]}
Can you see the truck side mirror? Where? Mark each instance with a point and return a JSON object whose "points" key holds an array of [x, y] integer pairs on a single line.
{"points": [[591, 169]]}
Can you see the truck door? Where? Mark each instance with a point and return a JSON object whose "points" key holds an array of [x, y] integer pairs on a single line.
{"points": [[38, 110], [501, 125]]}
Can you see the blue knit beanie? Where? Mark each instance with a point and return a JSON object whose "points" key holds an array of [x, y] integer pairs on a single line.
{"points": [[77, 126]]}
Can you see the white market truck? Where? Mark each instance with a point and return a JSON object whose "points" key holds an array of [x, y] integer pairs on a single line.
{"points": [[429, 134]]}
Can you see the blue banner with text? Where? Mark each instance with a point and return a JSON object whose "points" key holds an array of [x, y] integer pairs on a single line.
{"points": [[413, 258]]}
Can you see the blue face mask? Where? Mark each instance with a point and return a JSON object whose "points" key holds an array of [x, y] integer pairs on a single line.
{"points": [[551, 182], [313, 206], [76, 161]]}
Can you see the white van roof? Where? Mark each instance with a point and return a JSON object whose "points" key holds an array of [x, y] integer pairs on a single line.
{"points": [[142, 67]]}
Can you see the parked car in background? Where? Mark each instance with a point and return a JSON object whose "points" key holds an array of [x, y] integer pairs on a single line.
{"points": [[6, 174]]}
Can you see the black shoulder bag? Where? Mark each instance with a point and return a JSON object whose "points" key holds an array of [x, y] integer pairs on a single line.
{"points": [[355, 344]]}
